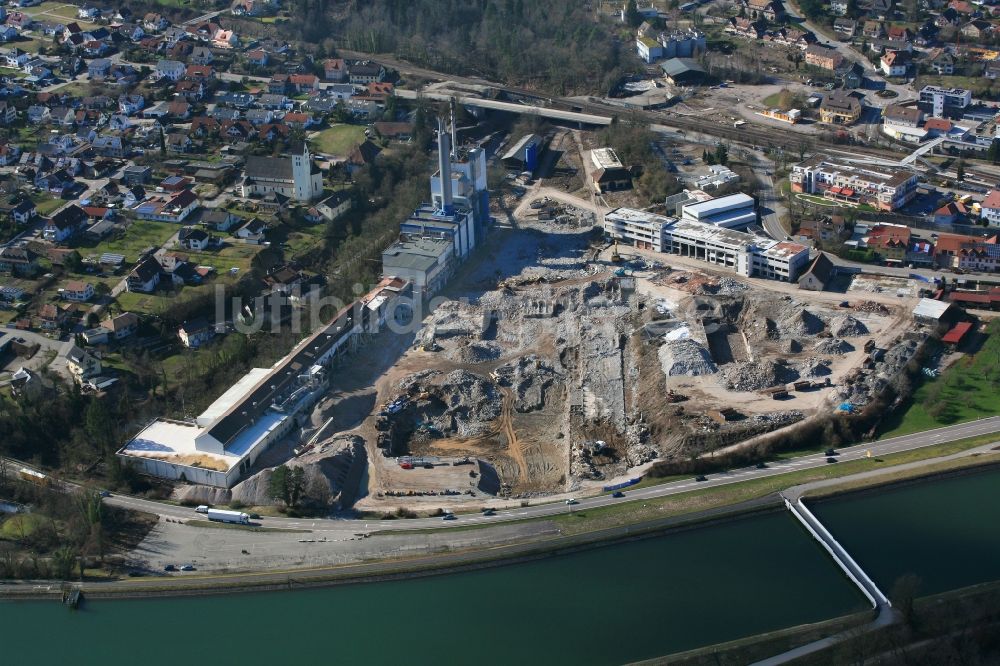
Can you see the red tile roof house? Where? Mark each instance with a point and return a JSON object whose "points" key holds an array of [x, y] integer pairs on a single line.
{"points": [[990, 208]]}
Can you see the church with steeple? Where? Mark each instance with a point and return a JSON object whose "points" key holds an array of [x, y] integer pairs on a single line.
{"points": [[293, 176]]}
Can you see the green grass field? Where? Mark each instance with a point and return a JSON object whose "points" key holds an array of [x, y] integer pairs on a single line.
{"points": [[21, 525], [46, 204], [339, 139], [968, 390], [139, 236]]}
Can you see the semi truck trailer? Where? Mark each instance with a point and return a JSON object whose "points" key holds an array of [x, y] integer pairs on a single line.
{"points": [[223, 516]]}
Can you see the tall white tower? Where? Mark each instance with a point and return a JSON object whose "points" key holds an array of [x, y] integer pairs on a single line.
{"points": [[306, 184]]}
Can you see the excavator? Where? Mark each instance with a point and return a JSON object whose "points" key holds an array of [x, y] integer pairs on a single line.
{"points": [[615, 257]]}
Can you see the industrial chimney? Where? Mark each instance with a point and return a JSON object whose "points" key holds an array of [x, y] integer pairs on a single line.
{"points": [[454, 132], [444, 168]]}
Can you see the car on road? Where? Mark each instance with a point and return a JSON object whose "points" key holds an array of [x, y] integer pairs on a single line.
{"points": [[202, 508], [830, 452], [489, 512], [831, 459], [761, 465], [254, 516], [105, 493], [187, 567], [618, 493], [170, 567], [701, 477], [449, 516], [571, 501]]}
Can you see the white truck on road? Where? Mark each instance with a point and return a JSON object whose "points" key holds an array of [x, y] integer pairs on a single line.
{"points": [[223, 516]]}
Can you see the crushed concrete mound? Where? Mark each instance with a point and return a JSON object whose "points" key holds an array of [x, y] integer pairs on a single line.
{"points": [[204, 495], [477, 352], [326, 468], [847, 326], [686, 357], [463, 403], [531, 378], [756, 375], [793, 346], [801, 322], [813, 368], [833, 346]]}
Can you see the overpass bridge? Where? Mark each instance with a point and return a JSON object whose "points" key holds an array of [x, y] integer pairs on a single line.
{"points": [[510, 107]]}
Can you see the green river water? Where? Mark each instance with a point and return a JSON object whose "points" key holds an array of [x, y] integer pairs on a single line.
{"points": [[945, 531], [603, 606], [608, 605]]}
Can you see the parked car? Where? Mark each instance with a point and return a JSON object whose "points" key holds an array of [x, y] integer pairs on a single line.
{"points": [[187, 567], [170, 567]]}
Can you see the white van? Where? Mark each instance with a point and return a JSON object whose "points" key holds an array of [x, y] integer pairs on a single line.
{"points": [[202, 509]]}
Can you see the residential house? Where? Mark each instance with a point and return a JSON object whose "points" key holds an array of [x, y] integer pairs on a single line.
{"points": [[122, 326], [332, 207], [18, 260], [178, 142], [363, 154], [196, 240], [64, 224], [108, 146], [899, 34], [51, 317], [24, 211], [131, 104], [81, 364], [99, 69], [200, 72], [174, 208], [366, 71], [839, 7], [77, 291], [819, 274], [202, 55], [154, 22], [941, 62], [298, 120], [253, 231], [8, 113], [873, 30], [771, 10], [950, 213], [977, 29], [9, 154], [145, 277], [840, 108], [179, 109], [905, 116], [895, 63], [136, 174], [190, 90], [194, 334], [890, 242], [8, 33], [335, 69], [823, 57], [967, 253], [990, 209], [301, 83], [846, 27], [220, 219], [170, 69], [257, 58], [16, 58]]}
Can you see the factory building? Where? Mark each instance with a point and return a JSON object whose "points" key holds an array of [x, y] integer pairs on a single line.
{"points": [[438, 236], [523, 155], [220, 446], [743, 253]]}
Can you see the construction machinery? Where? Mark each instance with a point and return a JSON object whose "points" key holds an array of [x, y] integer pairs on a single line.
{"points": [[615, 257]]}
